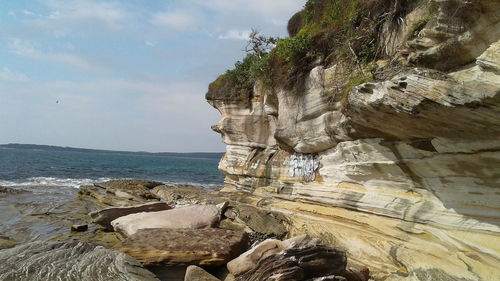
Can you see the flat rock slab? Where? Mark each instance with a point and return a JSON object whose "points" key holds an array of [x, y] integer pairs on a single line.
{"points": [[196, 216], [207, 247], [41, 261], [106, 216]]}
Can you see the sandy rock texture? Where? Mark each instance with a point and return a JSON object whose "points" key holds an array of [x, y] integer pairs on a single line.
{"points": [[403, 171], [193, 217], [174, 247]]}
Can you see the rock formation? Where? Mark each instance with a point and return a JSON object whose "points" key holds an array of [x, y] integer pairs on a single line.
{"points": [[193, 217], [106, 216], [41, 261], [401, 170], [174, 247]]}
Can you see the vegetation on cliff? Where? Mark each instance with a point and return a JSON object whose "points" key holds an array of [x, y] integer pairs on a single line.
{"points": [[325, 32]]}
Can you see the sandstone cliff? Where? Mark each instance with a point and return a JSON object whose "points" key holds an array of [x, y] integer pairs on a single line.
{"points": [[386, 142]]}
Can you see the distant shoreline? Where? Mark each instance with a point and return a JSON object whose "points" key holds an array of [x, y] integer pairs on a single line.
{"points": [[75, 149]]}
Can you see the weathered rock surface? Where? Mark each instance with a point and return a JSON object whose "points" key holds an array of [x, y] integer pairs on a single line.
{"points": [[195, 273], [250, 259], [6, 242], [118, 193], [194, 217], [106, 216], [259, 223], [410, 160], [42, 261], [298, 263], [206, 247]]}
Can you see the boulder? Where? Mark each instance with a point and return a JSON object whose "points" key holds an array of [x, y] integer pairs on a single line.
{"points": [[249, 260], [299, 263], [106, 216], [195, 273], [173, 247], [40, 261], [196, 216]]}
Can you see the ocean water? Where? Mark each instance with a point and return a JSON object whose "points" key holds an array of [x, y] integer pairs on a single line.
{"points": [[73, 167], [40, 183]]}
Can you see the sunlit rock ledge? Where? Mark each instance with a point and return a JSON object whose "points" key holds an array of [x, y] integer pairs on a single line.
{"points": [[404, 173]]}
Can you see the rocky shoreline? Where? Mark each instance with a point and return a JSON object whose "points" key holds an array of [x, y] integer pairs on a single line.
{"points": [[144, 230]]}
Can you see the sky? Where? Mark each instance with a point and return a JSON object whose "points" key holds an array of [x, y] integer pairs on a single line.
{"points": [[122, 75]]}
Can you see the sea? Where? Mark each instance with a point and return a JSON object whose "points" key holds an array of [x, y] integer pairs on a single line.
{"points": [[39, 184], [26, 165]]}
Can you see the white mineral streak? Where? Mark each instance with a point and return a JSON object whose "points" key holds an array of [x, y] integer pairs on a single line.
{"points": [[303, 166]]}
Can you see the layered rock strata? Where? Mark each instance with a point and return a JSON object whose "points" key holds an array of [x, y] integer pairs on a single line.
{"points": [[208, 247], [67, 262], [403, 172]]}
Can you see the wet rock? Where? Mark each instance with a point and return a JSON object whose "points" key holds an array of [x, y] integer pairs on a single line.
{"points": [[196, 216], [106, 216], [79, 227], [207, 247], [8, 190], [195, 273], [40, 261], [299, 263]]}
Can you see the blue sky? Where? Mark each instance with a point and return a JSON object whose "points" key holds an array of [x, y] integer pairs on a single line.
{"points": [[124, 75]]}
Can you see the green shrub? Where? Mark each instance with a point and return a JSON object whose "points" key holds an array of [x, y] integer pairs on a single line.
{"points": [[289, 49], [247, 71]]}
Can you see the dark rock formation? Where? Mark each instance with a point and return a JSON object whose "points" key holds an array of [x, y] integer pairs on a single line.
{"points": [[106, 216], [299, 263]]}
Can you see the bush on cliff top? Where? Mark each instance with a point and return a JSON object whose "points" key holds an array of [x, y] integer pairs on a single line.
{"points": [[325, 32]]}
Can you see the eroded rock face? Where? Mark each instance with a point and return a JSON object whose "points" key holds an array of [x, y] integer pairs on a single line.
{"points": [[40, 261], [194, 217], [411, 161], [173, 247], [297, 264]]}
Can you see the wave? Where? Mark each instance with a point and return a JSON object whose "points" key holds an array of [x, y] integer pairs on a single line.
{"points": [[50, 181], [76, 183]]}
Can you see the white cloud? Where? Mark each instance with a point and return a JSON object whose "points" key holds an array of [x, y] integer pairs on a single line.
{"points": [[149, 43], [28, 12], [86, 10], [269, 10], [8, 75], [178, 20], [27, 49], [236, 35]]}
